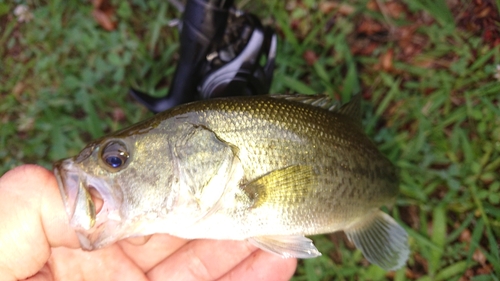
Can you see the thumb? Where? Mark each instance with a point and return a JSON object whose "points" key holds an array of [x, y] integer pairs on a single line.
{"points": [[33, 220]]}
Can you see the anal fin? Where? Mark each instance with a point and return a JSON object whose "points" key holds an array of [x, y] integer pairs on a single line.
{"points": [[381, 239], [292, 246]]}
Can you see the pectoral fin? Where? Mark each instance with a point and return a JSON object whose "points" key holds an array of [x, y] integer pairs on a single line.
{"points": [[284, 186], [294, 246], [381, 239]]}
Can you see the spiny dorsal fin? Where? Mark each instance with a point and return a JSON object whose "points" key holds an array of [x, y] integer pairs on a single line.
{"points": [[316, 100], [352, 109]]}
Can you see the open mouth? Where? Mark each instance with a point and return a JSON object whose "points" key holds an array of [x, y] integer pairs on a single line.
{"points": [[68, 182], [81, 200], [88, 203], [96, 197]]}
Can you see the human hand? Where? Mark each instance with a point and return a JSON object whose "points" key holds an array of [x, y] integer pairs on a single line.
{"points": [[37, 243]]}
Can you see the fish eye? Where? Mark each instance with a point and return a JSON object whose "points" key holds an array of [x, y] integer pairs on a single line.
{"points": [[114, 161], [115, 155]]}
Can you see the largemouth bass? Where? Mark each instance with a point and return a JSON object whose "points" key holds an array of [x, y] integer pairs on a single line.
{"points": [[265, 169]]}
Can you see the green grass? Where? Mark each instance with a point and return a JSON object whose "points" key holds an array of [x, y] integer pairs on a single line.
{"points": [[434, 110]]}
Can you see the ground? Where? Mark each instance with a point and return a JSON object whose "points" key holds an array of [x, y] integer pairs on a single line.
{"points": [[428, 71]]}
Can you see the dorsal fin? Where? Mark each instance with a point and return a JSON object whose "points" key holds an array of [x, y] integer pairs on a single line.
{"points": [[320, 101], [352, 109]]}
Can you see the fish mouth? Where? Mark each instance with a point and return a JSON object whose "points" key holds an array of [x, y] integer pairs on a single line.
{"points": [[83, 202], [68, 182]]}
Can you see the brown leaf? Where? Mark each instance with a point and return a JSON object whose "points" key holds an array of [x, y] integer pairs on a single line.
{"points": [[18, 88], [327, 6], [346, 9], [372, 5], [412, 274], [423, 62], [118, 114], [336, 254], [341, 8], [409, 41], [104, 20], [367, 94], [104, 13], [481, 18], [294, 24], [390, 274], [97, 3], [386, 60], [421, 261], [468, 273], [484, 270], [369, 27], [484, 12], [465, 236], [395, 9], [310, 57], [479, 257], [363, 49]]}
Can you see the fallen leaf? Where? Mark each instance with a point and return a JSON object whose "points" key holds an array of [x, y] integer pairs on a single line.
{"points": [[395, 9], [18, 88], [364, 49], [104, 20], [479, 257], [327, 7], [481, 18], [346, 9], [421, 262], [468, 273], [310, 57], [423, 62], [336, 254], [341, 8], [294, 24], [369, 27], [465, 236], [386, 60], [104, 13], [484, 12], [118, 114], [484, 270], [390, 274], [372, 5]]}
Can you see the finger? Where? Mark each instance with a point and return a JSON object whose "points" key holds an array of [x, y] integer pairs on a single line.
{"points": [[109, 263], [43, 275], [202, 260], [33, 220], [159, 247], [138, 241], [262, 266]]}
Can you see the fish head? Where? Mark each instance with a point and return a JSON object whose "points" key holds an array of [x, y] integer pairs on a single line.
{"points": [[110, 189]]}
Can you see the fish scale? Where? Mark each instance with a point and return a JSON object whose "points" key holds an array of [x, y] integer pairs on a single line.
{"points": [[269, 150], [264, 169]]}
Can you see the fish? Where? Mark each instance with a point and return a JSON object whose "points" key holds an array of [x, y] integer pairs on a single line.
{"points": [[270, 170]]}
